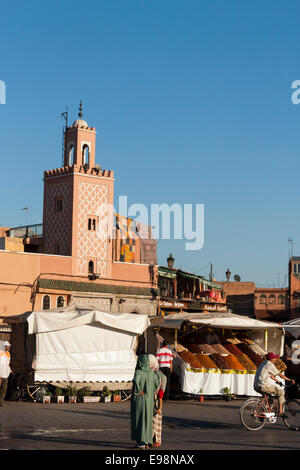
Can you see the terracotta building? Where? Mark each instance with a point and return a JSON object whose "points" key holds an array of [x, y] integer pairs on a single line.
{"points": [[294, 286], [272, 304], [78, 254]]}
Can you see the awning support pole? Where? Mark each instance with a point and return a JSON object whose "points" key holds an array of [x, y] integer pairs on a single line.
{"points": [[176, 334], [266, 339]]}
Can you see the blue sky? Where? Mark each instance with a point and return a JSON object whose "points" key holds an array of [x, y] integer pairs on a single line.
{"points": [[192, 104]]}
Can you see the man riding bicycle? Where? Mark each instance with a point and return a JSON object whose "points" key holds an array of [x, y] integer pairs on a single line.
{"points": [[262, 383]]}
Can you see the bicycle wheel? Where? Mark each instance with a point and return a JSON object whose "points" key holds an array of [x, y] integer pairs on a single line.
{"points": [[252, 414], [36, 392], [125, 395], [292, 412]]}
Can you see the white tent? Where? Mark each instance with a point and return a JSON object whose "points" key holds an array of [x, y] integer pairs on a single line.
{"points": [[84, 344]]}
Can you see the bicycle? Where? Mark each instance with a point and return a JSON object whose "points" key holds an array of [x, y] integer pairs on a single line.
{"points": [[256, 412]]}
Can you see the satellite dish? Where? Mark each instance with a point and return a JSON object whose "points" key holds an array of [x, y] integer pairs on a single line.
{"points": [[237, 278]]}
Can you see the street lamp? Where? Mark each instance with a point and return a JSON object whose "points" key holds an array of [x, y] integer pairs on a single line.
{"points": [[170, 261], [228, 274]]}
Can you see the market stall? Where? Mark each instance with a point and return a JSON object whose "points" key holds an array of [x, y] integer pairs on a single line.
{"points": [[75, 344], [220, 351]]}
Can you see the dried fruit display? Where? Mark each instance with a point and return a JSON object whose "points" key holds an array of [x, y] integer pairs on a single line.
{"points": [[190, 359], [255, 358], [233, 340], [233, 363], [180, 348], [220, 361], [232, 348], [257, 349], [206, 349], [219, 349], [246, 362], [248, 341], [206, 361]]}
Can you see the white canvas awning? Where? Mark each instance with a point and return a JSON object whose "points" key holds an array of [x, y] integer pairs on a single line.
{"points": [[73, 317], [85, 345], [216, 320]]}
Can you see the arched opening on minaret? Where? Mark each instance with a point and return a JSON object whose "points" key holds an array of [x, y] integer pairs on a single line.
{"points": [[85, 155], [91, 267], [71, 155]]}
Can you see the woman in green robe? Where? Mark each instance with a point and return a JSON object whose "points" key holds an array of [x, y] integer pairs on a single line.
{"points": [[145, 384]]}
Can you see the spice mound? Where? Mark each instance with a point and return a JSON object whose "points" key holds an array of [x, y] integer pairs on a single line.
{"points": [[255, 358], [246, 362], [232, 348], [220, 361], [201, 348], [219, 349], [206, 361], [190, 359], [233, 363]]}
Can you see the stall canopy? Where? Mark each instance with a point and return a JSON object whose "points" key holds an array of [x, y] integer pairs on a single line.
{"points": [[73, 317], [216, 320], [82, 344]]}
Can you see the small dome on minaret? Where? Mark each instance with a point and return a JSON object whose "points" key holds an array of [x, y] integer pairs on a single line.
{"points": [[80, 122]]}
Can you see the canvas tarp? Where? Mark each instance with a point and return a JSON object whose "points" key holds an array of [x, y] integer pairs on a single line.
{"points": [[216, 320], [268, 335], [84, 344]]}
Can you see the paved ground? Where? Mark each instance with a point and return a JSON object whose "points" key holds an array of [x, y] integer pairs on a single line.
{"points": [[187, 425]]}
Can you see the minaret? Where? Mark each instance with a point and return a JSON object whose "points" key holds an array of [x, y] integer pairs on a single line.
{"points": [[80, 141], [76, 223]]}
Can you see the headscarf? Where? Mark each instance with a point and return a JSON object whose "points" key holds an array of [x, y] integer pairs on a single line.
{"points": [[143, 362], [153, 363]]}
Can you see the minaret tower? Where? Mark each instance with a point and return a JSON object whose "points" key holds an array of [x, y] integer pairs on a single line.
{"points": [[77, 222]]}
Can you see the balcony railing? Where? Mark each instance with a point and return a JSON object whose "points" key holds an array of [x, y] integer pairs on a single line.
{"points": [[27, 231]]}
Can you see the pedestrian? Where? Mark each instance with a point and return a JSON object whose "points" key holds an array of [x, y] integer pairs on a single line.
{"points": [[145, 383], [5, 370], [165, 360], [158, 402]]}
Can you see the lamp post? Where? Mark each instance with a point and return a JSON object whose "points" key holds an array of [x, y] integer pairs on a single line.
{"points": [[170, 261], [228, 274]]}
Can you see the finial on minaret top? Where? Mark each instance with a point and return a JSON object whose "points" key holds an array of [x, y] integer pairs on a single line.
{"points": [[80, 110]]}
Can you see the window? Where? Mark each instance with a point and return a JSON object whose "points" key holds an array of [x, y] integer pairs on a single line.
{"points": [[85, 155], [91, 267], [297, 268], [60, 301], [272, 299], [281, 299], [46, 302], [58, 204], [263, 299], [92, 224], [71, 155]]}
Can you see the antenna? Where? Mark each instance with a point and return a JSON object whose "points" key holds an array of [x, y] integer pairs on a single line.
{"points": [[65, 115], [290, 242], [26, 214]]}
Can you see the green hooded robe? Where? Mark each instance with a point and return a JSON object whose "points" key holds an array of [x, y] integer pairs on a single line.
{"points": [[145, 380]]}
